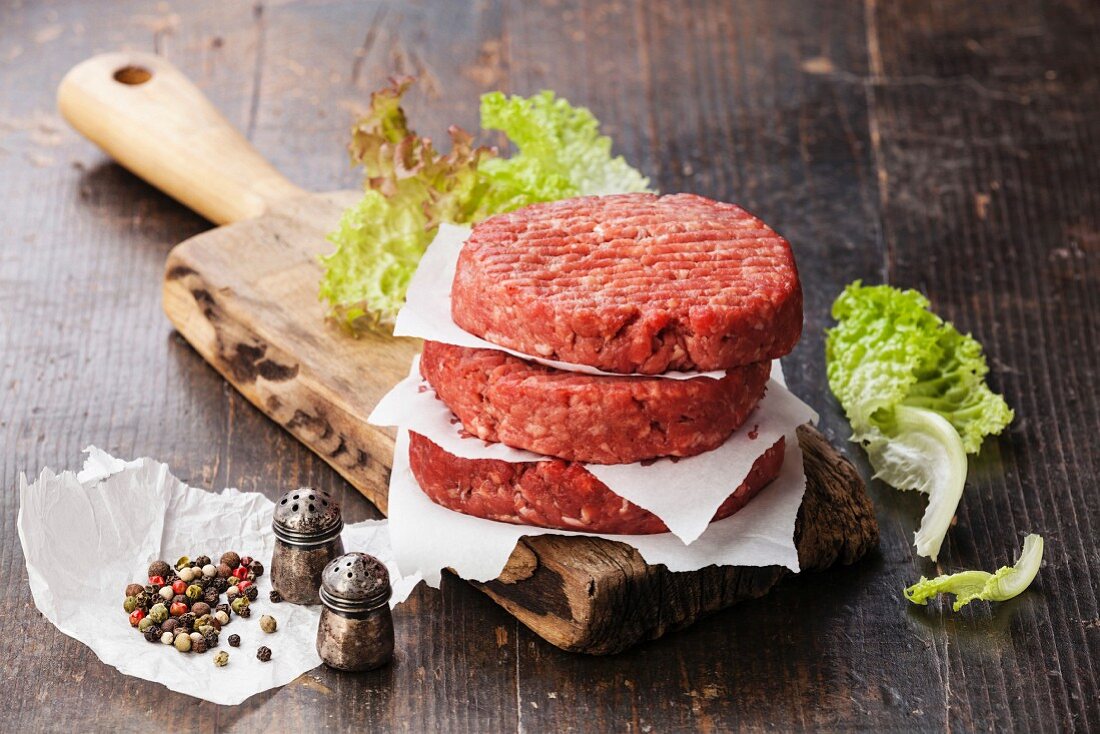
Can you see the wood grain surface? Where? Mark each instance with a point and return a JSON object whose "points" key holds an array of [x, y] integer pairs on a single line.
{"points": [[944, 146]]}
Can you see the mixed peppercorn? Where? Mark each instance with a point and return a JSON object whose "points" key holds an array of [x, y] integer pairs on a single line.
{"points": [[181, 606]]}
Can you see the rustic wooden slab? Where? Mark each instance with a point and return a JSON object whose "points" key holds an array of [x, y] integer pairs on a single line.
{"points": [[245, 296]]}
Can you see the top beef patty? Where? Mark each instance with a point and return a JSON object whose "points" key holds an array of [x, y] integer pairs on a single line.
{"points": [[631, 283]]}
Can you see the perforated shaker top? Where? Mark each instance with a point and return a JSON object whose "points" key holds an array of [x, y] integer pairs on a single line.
{"points": [[355, 581], [307, 515]]}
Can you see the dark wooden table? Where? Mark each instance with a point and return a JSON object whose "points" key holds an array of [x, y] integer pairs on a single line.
{"points": [[950, 147]]}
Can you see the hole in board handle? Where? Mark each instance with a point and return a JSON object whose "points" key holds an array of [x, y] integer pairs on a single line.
{"points": [[133, 75]]}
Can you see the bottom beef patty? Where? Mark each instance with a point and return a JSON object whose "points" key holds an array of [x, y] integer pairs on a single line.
{"points": [[553, 494], [593, 418]]}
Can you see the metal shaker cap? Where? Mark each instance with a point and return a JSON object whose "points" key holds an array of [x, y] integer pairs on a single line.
{"points": [[355, 582], [305, 517]]}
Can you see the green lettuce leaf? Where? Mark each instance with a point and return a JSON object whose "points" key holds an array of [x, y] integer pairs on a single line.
{"points": [[1005, 583], [561, 153], [411, 188], [914, 390]]}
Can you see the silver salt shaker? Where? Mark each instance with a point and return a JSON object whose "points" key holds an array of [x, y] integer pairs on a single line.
{"points": [[356, 628], [307, 526]]}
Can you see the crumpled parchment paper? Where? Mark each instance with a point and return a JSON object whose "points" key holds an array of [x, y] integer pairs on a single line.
{"points": [[86, 536]]}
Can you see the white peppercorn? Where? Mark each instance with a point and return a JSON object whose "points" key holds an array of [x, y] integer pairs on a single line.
{"points": [[210, 570]]}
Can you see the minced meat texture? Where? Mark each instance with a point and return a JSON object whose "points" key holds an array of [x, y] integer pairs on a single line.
{"points": [[592, 418], [631, 283], [553, 494]]}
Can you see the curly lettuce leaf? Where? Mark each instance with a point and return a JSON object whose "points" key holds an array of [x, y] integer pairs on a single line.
{"points": [[1006, 583], [913, 388], [411, 188], [561, 153]]}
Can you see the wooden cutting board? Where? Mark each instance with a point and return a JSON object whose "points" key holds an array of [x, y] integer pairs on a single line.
{"points": [[245, 296]]}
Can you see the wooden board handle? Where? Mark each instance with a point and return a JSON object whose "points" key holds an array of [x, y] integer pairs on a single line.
{"points": [[149, 117]]}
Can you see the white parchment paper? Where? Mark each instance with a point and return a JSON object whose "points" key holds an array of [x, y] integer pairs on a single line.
{"points": [[427, 310], [685, 493], [86, 536], [428, 538]]}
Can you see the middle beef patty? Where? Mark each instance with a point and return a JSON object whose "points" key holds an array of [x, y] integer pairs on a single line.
{"points": [[554, 494], [591, 418]]}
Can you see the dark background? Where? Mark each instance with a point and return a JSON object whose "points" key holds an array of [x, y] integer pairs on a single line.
{"points": [[947, 146]]}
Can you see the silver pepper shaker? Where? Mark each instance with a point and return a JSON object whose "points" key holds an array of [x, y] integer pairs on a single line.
{"points": [[307, 525], [356, 628]]}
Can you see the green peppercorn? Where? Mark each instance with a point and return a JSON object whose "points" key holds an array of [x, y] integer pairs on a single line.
{"points": [[268, 623], [183, 642], [145, 623], [158, 613], [234, 640], [221, 659], [203, 621], [238, 604], [130, 604], [183, 562], [264, 654], [194, 592]]}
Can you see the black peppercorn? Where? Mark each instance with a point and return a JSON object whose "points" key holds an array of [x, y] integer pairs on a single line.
{"points": [[210, 596], [187, 621], [201, 561], [198, 645], [151, 590], [211, 639], [234, 640], [251, 593], [257, 568], [223, 607], [275, 596], [159, 568], [263, 654], [152, 634], [220, 585], [245, 612]]}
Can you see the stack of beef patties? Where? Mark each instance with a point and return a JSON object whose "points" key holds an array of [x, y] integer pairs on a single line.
{"points": [[663, 315]]}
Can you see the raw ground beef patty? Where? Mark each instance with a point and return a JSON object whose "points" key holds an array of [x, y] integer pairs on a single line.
{"points": [[631, 283], [553, 494], [579, 417]]}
